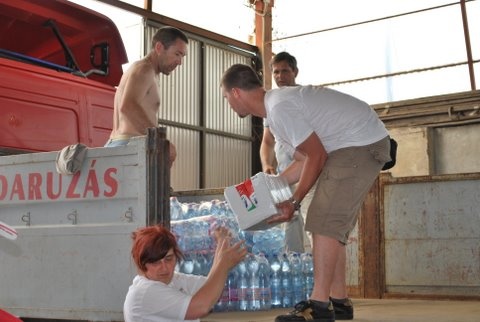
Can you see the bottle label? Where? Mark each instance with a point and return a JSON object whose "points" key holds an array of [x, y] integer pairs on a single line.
{"points": [[253, 294], [242, 294], [266, 293], [233, 294]]}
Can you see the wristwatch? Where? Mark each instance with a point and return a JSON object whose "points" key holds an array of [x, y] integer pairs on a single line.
{"points": [[295, 203]]}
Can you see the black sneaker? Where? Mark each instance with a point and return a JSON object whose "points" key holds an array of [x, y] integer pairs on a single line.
{"points": [[308, 311], [343, 311]]}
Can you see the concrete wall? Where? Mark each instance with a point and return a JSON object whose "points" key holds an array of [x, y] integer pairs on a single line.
{"points": [[457, 149], [436, 151]]}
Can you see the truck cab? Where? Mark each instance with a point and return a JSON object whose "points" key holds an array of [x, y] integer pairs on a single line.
{"points": [[59, 65]]}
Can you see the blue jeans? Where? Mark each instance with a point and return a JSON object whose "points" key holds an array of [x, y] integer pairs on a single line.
{"points": [[116, 142]]}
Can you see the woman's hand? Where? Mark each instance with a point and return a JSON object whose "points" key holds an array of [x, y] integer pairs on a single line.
{"points": [[227, 253], [220, 233]]}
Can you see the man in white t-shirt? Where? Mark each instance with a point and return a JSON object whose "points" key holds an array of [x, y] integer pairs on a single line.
{"points": [[340, 144], [284, 70], [159, 293]]}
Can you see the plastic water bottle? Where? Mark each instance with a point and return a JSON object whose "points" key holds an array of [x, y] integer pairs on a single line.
{"points": [[178, 229], [182, 231], [229, 212], [217, 208], [204, 263], [197, 264], [209, 261], [276, 281], [186, 232], [253, 294], [187, 266], [176, 211], [204, 208], [269, 241], [232, 287], [279, 188], [205, 242], [297, 278], [307, 261], [191, 210], [242, 286], [247, 236], [286, 281], [264, 279], [197, 236]]}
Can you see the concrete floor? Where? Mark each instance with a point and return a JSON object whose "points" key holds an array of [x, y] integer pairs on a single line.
{"points": [[387, 310]]}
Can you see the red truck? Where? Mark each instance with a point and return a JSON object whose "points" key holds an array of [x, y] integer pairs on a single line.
{"points": [[59, 65]]}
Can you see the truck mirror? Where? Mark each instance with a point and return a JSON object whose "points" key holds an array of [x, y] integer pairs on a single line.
{"points": [[99, 57]]}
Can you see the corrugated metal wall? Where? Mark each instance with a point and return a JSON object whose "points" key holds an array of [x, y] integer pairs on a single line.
{"points": [[214, 145]]}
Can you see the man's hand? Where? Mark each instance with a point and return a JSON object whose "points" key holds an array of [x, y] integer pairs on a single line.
{"points": [[269, 170], [172, 155], [285, 212]]}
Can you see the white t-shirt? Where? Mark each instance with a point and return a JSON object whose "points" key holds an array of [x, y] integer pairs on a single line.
{"points": [[338, 119], [153, 301], [284, 158]]}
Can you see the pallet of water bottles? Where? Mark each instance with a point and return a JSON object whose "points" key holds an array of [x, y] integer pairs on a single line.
{"points": [[269, 277]]}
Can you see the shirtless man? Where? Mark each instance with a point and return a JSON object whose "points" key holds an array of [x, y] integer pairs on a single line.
{"points": [[137, 98]]}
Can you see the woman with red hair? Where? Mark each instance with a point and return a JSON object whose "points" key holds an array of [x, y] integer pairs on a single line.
{"points": [[159, 293]]}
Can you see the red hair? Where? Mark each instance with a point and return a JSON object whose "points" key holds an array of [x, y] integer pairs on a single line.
{"points": [[151, 244]]}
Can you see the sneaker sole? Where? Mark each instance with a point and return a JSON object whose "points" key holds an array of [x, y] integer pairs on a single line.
{"points": [[299, 320]]}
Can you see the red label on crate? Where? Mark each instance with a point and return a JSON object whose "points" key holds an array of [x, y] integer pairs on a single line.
{"points": [[247, 194]]}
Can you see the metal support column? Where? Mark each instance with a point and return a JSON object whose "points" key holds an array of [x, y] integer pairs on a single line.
{"points": [[158, 177]]}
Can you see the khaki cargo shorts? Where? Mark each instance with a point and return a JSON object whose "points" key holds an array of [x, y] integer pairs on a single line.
{"points": [[342, 186]]}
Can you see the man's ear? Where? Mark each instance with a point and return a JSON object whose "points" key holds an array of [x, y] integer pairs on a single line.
{"points": [[236, 92], [159, 47]]}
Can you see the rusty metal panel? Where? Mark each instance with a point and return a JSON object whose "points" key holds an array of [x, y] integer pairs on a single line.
{"points": [[431, 236], [450, 109]]}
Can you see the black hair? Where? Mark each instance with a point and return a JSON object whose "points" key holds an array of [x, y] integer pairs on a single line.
{"points": [[241, 76], [167, 36], [284, 56]]}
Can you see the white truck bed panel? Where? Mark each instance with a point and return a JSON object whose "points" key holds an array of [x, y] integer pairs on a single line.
{"points": [[71, 259]]}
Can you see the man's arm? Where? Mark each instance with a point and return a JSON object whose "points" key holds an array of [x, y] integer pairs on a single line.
{"points": [[315, 156], [267, 152]]}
